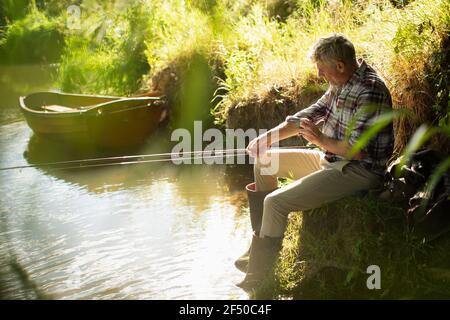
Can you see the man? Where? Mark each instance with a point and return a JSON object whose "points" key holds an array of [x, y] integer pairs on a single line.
{"points": [[355, 98]]}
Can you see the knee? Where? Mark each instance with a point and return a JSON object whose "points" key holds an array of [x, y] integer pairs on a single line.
{"points": [[273, 203], [258, 168], [283, 204], [263, 160], [258, 164]]}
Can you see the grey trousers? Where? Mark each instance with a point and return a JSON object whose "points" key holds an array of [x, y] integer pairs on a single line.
{"points": [[317, 182]]}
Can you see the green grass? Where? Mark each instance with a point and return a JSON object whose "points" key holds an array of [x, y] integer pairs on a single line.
{"points": [[35, 38], [326, 253], [107, 55], [398, 42]]}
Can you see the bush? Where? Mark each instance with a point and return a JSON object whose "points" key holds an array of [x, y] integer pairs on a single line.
{"points": [[103, 59], [33, 39], [327, 252], [11, 10]]}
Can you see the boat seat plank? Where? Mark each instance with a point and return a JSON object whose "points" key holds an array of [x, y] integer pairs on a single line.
{"points": [[57, 108]]}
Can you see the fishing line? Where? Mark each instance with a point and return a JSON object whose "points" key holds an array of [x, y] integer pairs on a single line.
{"points": [[140, 156], [86, 163], [144, 161]]}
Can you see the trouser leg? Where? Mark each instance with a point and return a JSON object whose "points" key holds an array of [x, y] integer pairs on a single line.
{"points": [[317, 183], [292, 163], [311, 191]]}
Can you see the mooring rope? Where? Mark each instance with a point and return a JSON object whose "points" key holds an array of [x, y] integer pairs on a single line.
{"points": [[135, 159]]}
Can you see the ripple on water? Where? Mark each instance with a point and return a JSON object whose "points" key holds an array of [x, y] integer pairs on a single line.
{"points": [[119, 233]]}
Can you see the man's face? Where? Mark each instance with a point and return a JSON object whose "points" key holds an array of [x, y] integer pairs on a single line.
{"points": [[334, 73]]}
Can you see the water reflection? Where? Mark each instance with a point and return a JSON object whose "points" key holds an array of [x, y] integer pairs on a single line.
{"points": [[154, 231], [115, 176]]}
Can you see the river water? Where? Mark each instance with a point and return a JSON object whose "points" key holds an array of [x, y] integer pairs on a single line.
{"points": [[147, 231]]}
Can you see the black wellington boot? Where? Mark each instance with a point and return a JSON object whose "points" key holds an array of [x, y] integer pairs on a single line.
{"points": [[263, 255], [256, 206]]}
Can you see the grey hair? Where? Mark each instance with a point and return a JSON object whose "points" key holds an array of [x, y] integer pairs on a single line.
{"points": [[335, 47]]}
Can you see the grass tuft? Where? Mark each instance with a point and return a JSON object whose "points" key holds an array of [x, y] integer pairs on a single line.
{"points": [[327, 252]]}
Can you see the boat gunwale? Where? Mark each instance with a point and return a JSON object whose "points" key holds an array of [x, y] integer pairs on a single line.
{"points": [[24, 107]]}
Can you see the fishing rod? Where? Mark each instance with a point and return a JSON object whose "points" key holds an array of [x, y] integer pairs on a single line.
{"points": [[141, 161], [135, 159], [139, 157]]}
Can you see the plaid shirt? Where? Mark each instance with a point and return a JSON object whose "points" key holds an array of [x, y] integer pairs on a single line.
{"points": [[340, 109]]}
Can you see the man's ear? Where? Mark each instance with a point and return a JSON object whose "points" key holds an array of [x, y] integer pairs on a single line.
{"points": [[340, 66]]}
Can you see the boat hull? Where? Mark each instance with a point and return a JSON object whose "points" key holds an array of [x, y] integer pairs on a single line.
{"points": [[101, 121]]}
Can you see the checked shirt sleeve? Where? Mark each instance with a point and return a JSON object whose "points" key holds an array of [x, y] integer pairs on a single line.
{"points": [[315, 112]]}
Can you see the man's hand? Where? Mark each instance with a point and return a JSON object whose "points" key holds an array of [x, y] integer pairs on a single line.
{"points": [[258, 146], [340, 147], [310, 131]]}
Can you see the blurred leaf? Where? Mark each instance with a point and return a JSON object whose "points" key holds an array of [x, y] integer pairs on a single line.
{"points": [[361, 111], [422, 135], [433, 180], [349, 277], [381, 122]]}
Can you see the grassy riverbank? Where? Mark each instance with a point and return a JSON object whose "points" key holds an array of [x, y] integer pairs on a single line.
{"points": [[327, 252]]}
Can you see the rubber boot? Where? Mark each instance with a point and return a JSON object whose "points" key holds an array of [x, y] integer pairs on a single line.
{"points": [[256, 206], [263, 255]]}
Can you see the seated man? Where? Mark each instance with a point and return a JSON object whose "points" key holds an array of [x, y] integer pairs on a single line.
{"points": [[355, 98]]}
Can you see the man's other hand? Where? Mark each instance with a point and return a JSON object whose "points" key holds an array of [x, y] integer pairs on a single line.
{"points": [[310, 132]]}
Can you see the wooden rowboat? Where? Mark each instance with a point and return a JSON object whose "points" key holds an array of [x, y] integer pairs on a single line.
{"points": [[102, 121]]}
